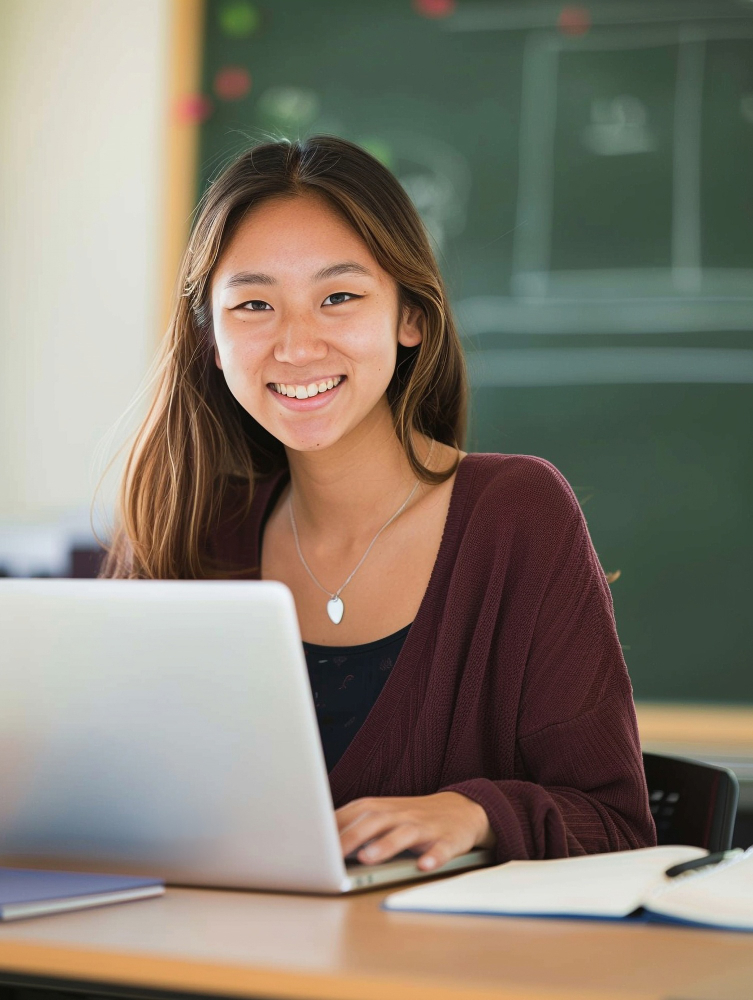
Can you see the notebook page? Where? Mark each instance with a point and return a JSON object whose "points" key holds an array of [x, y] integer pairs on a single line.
{"points": [[722, 895], [606, 885]]}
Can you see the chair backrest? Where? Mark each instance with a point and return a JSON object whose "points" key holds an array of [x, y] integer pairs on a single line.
{"points": [[692, 803]]}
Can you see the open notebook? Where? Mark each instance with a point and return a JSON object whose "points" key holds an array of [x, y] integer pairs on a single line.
{"points": [[607, 886]]}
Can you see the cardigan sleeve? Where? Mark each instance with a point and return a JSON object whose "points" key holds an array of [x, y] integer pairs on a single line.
{"points": [[582, 788]]}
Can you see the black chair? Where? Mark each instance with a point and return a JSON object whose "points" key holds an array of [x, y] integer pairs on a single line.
{"points": [[692, 803]]}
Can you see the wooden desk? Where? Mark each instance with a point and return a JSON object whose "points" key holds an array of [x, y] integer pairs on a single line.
{"points": [[267, 945], [261, 945]]}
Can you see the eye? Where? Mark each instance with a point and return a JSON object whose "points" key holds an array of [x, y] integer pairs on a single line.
{"points": [[254, 305], [341, 297]]}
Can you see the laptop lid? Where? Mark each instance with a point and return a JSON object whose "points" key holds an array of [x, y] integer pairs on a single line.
{"points": [[165, 728]]}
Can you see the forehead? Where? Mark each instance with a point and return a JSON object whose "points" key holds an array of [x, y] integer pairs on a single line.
{"points": [[299, 233]]}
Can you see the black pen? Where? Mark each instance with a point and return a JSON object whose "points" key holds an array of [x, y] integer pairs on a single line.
{"points": [[708, 859]]}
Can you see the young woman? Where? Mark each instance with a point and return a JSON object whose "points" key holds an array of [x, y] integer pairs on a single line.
{"points": [[308, 425]]}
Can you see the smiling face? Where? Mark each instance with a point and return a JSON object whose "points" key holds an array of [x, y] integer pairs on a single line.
{"points": [[298, 303]]}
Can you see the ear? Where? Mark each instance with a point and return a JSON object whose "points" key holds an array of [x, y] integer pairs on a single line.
{"points": [[410, 332], [217, 359]]}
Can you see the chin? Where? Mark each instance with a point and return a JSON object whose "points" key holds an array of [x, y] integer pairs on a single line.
{"points": [[309, 442], [308, 435]]}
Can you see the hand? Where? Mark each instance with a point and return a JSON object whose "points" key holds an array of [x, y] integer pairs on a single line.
{"points": [[439, 827]]}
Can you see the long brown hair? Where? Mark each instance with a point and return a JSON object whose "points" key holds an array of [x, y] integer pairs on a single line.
{"points": [[196, 436]]}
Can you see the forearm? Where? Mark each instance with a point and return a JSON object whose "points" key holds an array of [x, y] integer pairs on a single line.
{"points": [[531, 821], [584, 790]]}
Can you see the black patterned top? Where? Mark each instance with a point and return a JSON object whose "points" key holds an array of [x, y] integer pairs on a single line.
{"points": [[346, 681]]}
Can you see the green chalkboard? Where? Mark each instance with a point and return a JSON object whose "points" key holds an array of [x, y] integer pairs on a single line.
{"points": [[589, 189]]}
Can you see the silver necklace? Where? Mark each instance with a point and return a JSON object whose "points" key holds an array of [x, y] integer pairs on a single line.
{"points": [[335, 606]]}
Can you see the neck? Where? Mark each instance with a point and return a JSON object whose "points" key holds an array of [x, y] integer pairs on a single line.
{"points": [[345, 494]]}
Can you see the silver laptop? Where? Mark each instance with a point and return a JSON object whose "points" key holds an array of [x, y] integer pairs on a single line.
{"points": [[168, 728]]}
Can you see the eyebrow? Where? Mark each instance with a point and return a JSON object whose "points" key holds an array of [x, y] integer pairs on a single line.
{"points": [[333, 271]]}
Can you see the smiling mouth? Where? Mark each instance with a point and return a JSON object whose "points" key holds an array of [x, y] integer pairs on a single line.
{"points": [[295, 391]]}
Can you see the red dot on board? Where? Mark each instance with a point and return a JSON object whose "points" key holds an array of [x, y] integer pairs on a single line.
{"points": [[434, 8], [191, 108], [574, 20], [232, 82]]}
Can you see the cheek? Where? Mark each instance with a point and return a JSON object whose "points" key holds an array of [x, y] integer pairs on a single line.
{"points": [[372, 344], [236, 351]]}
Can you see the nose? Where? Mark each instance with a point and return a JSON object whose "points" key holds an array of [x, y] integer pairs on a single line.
{"points": [[299, 344]]}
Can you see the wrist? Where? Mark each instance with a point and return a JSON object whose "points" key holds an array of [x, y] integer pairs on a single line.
{"points": [[484, 836]]}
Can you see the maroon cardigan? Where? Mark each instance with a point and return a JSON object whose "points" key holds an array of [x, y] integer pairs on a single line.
{"points": [[511, 686]]}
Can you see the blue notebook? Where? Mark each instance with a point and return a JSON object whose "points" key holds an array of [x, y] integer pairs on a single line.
{"points": [[29, 892], [615, 886]]}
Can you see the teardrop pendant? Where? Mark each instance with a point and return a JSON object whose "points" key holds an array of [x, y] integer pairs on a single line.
{"points": [[335, 610]]}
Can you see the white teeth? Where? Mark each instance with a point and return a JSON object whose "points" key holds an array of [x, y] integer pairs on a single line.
{"points": [[306, 391]]}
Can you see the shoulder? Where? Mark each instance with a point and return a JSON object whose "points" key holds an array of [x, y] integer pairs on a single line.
{"points": [[523, 489], [522, 514]]}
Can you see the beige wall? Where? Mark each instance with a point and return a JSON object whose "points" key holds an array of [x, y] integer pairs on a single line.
{"points": [[82, 113]]}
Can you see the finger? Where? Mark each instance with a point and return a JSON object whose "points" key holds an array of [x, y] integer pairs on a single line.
{"points": [[346, 815], [438, 854], [366, 828], [400, 838]]}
